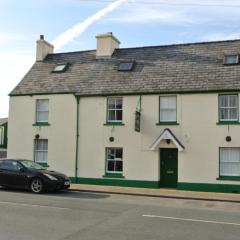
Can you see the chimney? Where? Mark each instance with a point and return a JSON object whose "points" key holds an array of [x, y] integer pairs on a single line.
{"points": [[43, 48], [106, 44]]}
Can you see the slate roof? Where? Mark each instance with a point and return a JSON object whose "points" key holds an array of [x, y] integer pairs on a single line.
{"points": [[3, 120], [169, 68]]}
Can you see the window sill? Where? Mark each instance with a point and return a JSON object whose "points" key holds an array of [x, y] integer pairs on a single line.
{"points": [[113, 175], [43, 164], [167, 123], [228, 123], [229, 178], [114, 124], [41, 124]]}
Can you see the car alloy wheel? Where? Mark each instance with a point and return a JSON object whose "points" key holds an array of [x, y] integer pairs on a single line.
{"points": [[36, 185]]}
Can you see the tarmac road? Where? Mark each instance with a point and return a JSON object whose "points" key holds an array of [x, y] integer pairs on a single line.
{"points": [[78, 215]]}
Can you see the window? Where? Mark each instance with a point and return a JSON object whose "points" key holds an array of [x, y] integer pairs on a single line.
{"points": [[41, 151], [231, 59], [230, 162], [114, 109], [126, 66], [42, 110], [228, 107], [114, 160], [60, 68], [168, 109]]}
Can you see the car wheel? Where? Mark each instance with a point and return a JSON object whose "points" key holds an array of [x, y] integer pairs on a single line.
{"points": [[36, 185]]}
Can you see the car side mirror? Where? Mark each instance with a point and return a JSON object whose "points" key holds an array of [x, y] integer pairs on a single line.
{"points": [[22, 169]]}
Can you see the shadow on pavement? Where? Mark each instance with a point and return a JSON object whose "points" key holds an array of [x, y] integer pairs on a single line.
{"points": [[68, 194]]}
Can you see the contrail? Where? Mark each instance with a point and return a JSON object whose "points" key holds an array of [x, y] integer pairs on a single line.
{"points": [[79, 28]]}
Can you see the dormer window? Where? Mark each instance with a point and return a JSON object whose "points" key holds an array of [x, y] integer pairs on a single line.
{"points": [[126, 66], [231, 59], [60, 68]]}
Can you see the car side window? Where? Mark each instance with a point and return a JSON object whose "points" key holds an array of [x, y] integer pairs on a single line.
{"points": [[10, 165]]}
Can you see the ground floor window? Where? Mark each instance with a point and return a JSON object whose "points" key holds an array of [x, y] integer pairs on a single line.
{"points": [[41, 151], [114, 160], [229, 161]]}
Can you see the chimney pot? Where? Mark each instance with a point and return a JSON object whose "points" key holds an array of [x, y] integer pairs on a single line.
{"points": [[43, 48]]}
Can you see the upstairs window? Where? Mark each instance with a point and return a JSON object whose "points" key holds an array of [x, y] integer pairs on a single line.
{"points": [[42, 110], [231, 59], [168, 109], [229, 162], [114, 109], [228, 107]]}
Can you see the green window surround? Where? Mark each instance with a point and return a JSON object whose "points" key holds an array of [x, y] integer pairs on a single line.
{"points": [[114, 124], [41, 124], [113, 175], [228, 178], [43, 164], [228, 123], [167, 123]]}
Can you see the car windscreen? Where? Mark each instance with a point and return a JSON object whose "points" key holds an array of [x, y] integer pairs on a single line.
{"points": [[30, 164]]}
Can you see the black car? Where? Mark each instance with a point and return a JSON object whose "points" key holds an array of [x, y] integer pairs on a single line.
{"points": [[25, 174]]}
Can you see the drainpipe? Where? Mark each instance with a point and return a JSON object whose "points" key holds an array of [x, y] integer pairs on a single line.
{"points": [[77, 139]]}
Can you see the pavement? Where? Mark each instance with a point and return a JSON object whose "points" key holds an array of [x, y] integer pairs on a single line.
{"points": [[74, 215], [162, 193]]}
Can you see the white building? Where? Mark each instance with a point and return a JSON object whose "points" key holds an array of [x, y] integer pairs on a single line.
{"points": [[163, 116]]}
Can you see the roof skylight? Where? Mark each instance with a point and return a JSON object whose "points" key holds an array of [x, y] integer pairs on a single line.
{"points": [[231, 59], [60, 68], [126, 66]]}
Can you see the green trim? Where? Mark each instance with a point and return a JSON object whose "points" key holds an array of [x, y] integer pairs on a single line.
{"points": [[228, 123], [229, 178], [113, 175], [114, 124], [116, 182], [41, 124], [43, 164], [77, 137], [209, 187], [5, 135], [167, 123]]}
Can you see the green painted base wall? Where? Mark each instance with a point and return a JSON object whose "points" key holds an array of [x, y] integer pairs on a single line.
{"points": [[116, 182], [208, 187], [204, 187]]}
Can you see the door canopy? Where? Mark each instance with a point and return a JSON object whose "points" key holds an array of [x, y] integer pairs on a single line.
{"points": [[167, 134]]}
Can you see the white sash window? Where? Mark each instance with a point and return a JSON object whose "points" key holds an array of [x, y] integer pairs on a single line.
{"points": [[168, 109]]}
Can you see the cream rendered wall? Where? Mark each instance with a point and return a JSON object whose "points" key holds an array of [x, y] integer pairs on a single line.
{"points": [[197, 115], [61, 133]]}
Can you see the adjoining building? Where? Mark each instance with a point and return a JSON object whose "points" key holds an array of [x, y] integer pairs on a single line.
{"points": [[159, 116], [3, 137]]}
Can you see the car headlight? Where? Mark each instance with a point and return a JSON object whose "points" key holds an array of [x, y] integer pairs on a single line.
{"points": [[50, 176]]}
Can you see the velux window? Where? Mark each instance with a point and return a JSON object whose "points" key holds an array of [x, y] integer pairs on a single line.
{"points": [[228, 107], [114, 109], [168, 109], [231, 59], [42, 110], [114, 160], [41, 150], [229, 162], [60, 68]]}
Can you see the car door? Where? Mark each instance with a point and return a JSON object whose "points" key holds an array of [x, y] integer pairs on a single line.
{"points": [[12, 174]]}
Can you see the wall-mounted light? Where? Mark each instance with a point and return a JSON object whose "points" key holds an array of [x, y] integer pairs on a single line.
{"points": [[228, 138], [37, 136], [168, 141], [111, 139]]}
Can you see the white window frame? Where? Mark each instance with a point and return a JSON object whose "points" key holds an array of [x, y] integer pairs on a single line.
{"points": [[160, 109], [38, 111], [115, 109], [36, 151], [221, 161], [115, 160], [228, 108]]}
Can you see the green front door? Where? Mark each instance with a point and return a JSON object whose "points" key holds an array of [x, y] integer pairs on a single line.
{"points": [[168, 167]]}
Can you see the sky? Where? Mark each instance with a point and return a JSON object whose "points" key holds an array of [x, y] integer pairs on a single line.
{"points": [[73, 24]]}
